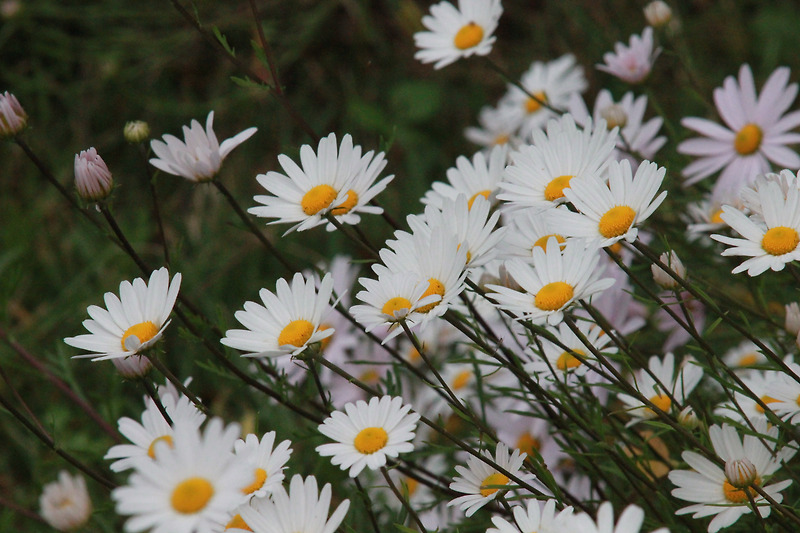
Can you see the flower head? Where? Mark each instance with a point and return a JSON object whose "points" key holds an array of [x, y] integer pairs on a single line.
{"points": [[198, 158], [534, 517], [632, 63], [657, 13], [65, 504], [13, 118], [266, 462], [92, 177], [136, 131]]}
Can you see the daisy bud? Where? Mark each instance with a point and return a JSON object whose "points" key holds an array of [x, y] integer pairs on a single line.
{"points": [[664, 280], [13, 118], [136, 131], [688, 419], [132, 367], [741, 473], [10, 8], [615, 116], [92, 177], [65, 504], [792, 324], [657, 13]]}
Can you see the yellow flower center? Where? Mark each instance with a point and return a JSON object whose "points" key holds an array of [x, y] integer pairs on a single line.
{"points": [[716, 217], [395, 304], [532, 105], [434, 287], [318, 198], [734, 495], [616, 221], [370, 440], [495, 479], [780, 240], [553, 296], [258, 482], [484, 193], [501, 139], [468, 36], [151, 450], [347, 205], [138, 334], [370, 377], [528, 443], [748, 139], [296, 333], [797, 400], [191, 495], [411, 485], [661, 401], [237, 522], [541, 242], [749, 359], [767, 400], [555, 189], [461, 380], [567, 361]]}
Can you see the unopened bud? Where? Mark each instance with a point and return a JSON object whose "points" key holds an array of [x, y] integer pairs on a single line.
{"points": [[664, 280], [688, 419], [134, 366], [12, 117], [792, 324], [10, 8], [615, 116], [137, 131], [92, 177], [741, 473], [657, 13]]}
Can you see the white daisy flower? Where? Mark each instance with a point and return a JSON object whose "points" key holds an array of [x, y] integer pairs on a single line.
{"points": [[191, 487], [478, 177], [632, 63], [288, 321], [367, 433], [303, 510], [497, 126], [785, 394], [763, 385], [538, 517], [456, 33], [769, 243], [750, 199], [661, 385], [630, 521], [336, 181], [528, 230], [266, 463], [757, 132], [133, 322], [611, 212], [65, 504], [717, 494], [541, 172], [154, 431], [744, 355], [481, 483], [553, 82], [552, 283], [200, 156]]}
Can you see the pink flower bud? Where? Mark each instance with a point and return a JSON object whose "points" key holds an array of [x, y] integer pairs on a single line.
{"points": [[12, 117], [92, 177]]}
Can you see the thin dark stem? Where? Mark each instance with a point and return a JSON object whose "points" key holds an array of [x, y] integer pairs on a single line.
{"points": [[178, 385], [123, 241], [151, 392], [21, 510], [403, 500], [367, 505]]}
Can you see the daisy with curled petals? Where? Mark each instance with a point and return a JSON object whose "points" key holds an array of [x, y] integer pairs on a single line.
{"points": [[770, 242], [367, 433], [457, 32], [200, 156], [757, 133], [553, 281], [478, 177], [632, 63], [266, 463], [65, 504], [749, 461], [288, 321], [661, 386], [304, 509], [392, 298], [534, 517], [750, 199], [611, 212], [336, 181], [630, 521], [191, 487], [133, 322], [481, 483], [540, 172]]}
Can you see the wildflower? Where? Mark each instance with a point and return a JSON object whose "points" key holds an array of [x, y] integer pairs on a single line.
{"points": [[746, 354], [266, 463], [134, 321], [762, 385], [630, 521], [198, 158], [303, 510], [609, 213], [456, 33], [757, 132], [657, 13], [340, 182], [288, 321], [481, 483], [554, 281], [191, 486], [534, 517], [478, 177], [65, 504], [769, 243], [137, 131], [528, 230], [134, 366], [92, 177], [714, 493], [632, 63], [749, 198], [13, 118], [661, 277], [497, 126], [367, 433], [688, 418]]}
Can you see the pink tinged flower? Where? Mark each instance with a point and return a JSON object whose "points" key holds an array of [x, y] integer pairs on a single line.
{"points": [[198, 158], [92, 177], [632, 63], [12, 117], [757, 131], [65, 504]]}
